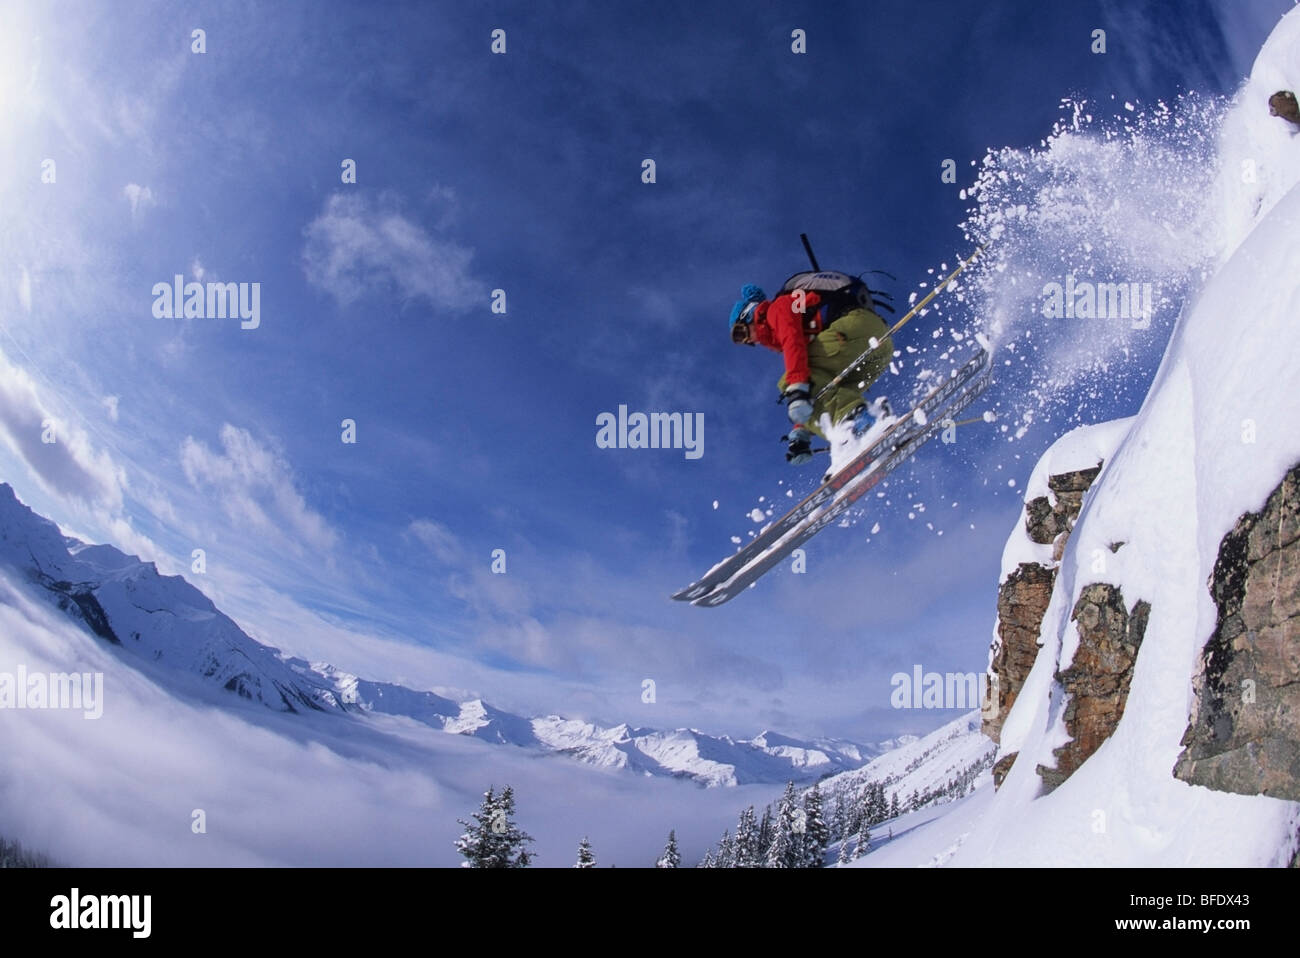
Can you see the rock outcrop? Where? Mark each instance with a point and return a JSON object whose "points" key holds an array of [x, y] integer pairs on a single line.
{"points": [[1046, 522], [1244, 734], [1023, 598], [1096, 682], [1283, 104]]}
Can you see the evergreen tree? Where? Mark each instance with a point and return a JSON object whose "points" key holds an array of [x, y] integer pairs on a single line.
{"points": [[852, 815], [839, 821], [816, 833], [894, 810], [14, 855], [514, 854], [875, 808], [864, 838], [788, 828], [747, 852], [726, 852], [844, 856], [707, 861], [670, 857], [478, 842], [866, 807], [585, 858], [492, 839], [765, 833]]}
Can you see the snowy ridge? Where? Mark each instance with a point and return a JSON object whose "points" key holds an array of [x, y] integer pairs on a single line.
{"points": [[174, 634], [710, 760], [925, 765], [162, 621]]}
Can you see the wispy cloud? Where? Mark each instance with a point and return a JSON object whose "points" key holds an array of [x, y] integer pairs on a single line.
{"points": [[355, 247], [438, 539], [256, 487], [140, 197], [59, 454]]}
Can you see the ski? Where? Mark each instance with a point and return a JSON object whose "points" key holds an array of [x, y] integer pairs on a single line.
{"points": [[756, 568], [893, 438]]}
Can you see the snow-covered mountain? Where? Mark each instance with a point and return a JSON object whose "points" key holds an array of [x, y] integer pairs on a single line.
{"points": [[925, 766], [173, 632], [711, 760], [164, 623]]}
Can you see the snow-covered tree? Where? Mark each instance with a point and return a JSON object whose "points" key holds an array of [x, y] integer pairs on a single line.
{"points": [[816, 833], [786, 850], [894, 810], [840, 821], [726, 852], [585, 858], [478, 840], [670, 857], [844, 857], [874, 807], [707, 861], [14, 855], [747, 850], [492, 839], [863, 840], [765, 832]]}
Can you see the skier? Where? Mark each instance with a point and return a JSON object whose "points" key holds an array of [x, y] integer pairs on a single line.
{"points": [[818, 338]]}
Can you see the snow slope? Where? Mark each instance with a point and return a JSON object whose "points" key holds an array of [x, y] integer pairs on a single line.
{"points": [[1214, 436], [924, 764]]}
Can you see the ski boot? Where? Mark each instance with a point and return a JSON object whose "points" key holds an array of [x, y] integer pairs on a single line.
{"points": [[865, 416]]}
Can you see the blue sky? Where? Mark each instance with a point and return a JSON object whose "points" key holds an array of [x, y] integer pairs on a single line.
{"points": [[476, 430]]}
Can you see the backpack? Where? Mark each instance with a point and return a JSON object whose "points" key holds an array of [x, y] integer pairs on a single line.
{"points": [[840, 293]]}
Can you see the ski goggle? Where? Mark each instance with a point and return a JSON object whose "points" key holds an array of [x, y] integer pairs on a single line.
{"points": [[740, 328]]}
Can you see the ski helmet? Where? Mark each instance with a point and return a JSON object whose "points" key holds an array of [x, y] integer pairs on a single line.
{"points": [[742, 314]]}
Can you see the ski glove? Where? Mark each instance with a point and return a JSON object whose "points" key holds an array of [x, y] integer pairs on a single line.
{"points": [[799, 449], [797, 404]]}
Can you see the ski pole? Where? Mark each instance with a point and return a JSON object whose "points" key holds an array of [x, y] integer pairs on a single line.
{"points": [[971, 421], [907, 317], [807, 247]]}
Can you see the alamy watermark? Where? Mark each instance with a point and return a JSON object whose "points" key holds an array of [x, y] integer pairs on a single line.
{"points": [[939, 690], [656, 430], [181, 300], [53, 690], [75, 911], [1076, 299]]}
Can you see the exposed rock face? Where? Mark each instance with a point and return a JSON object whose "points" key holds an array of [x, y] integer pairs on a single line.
{"points": [[1002, 766], [1045, 522], [1283, 104], [1097, 680], [1023, 598], [1244, 734]]}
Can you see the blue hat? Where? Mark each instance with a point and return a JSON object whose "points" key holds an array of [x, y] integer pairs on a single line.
{"points": [[749, 293]]}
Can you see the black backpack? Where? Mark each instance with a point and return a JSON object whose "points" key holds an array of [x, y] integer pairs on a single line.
{"points": [[840, 292]]}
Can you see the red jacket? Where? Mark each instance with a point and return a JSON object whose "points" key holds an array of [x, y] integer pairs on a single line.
{"points": [[777, 326]]}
